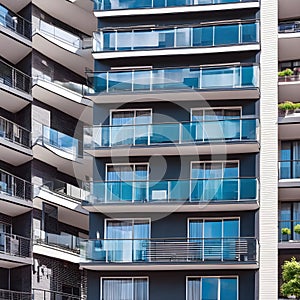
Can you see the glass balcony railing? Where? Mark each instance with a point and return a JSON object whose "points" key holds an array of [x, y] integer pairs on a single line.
{"points": [[14, 186], [176, 37], [176, 133], [15, 22], [70, 86], [40, 294], [185, 250], [134, 4], [14, 295], [289, 169], [172, 191], [189, 78], [15, 245], [65, 189], [289, 27], [64, 240], [14, 78], [60, 141], [78, 41], [292, 235], [14, 133]]}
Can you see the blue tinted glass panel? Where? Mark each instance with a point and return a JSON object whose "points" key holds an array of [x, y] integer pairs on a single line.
{"points": [[203, 36], [209, 289], [228, 289], [228, 34]]}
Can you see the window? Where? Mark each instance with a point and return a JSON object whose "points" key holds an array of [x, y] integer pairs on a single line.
{"points": [[128, 236], [217, 236], [289, 217], [70, 290], [129, 127], [290, 160], [218, 123], [212, 288], [215, 180], [135, 288], [127, 182]]}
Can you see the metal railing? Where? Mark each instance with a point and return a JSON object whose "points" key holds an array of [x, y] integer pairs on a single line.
{"points": [[290, 224], [74, 87], [39, 294], [166, 133], [15, 133], [289, 27], [63, 241], [14, 295], [15, 245], [78, 41], [65, 189], [289, 78], [185, 78], [289, 169], [14, 78], [177, 250], [219, 34], [14, 186], [15, 22], [172, 191], [135, 4]]}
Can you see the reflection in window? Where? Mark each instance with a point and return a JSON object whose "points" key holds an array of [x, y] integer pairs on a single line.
{"points": [[212, 288]]}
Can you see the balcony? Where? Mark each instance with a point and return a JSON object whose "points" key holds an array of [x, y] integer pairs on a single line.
{"points": [[69, 12], [55, 245], [56, 148], [15, 194], [67, 198], [108, 8], [46, 295], [176, 40], [289, 38], [166, 195], [289, 126], [15, 34], [15, 88], [289, 241], [66, 96], [170, 254], [289, 87], [15, 143], [14, 295], [103, 140], [14, 250], [171, 84], [69, 50]]}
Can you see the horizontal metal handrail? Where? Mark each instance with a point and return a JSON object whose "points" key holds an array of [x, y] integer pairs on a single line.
{"points": [[14, 186], [193, 250], [15, 245], [14, 78], [15, 22], [41, 294], [106, 4], [14, 295], [172, 191], [15, 133]]}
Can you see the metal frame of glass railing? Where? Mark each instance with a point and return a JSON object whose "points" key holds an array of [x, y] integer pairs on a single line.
{"points": [[292, 167]]}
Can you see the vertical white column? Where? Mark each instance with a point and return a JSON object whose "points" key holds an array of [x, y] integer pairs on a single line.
{"points": [[268, 213]]}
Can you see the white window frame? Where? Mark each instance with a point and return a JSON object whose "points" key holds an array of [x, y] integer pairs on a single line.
{"points": [[127, 219], [121, 278], [134, 110], [219, 285]]}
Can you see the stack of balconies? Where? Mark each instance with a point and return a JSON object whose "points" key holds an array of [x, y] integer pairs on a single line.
{"points": [[172, 106]]}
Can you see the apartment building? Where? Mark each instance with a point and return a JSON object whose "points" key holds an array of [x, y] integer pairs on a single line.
{"points": [[139, 149]]}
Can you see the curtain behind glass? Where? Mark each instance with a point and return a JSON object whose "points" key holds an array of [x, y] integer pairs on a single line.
{"points": [[194, 289]]}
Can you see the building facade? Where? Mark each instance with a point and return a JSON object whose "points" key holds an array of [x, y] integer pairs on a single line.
{"points": [[140, 143]]}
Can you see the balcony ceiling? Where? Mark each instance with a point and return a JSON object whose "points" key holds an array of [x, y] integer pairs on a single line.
{"points": [[15, 5], [13, 206], [289, 44], [70, 13], [288, 9], [13, 46], [289, 90]]}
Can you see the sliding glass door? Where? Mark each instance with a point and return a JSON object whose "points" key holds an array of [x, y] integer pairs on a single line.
{"points": [[215, 236], [126, 239]]}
